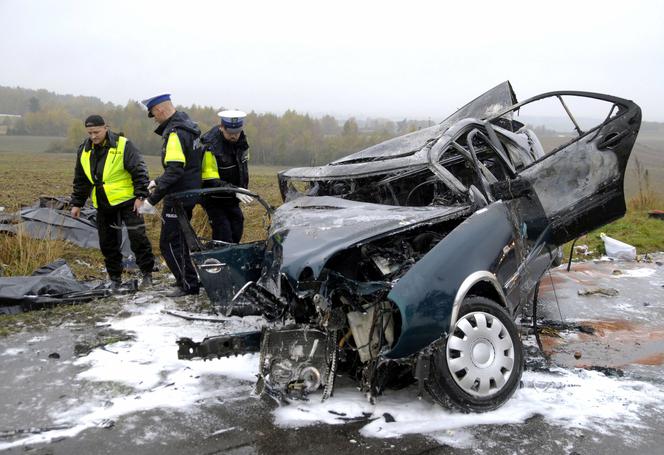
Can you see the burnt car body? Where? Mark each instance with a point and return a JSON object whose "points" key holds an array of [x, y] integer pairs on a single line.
{"points": [[410, 260]]}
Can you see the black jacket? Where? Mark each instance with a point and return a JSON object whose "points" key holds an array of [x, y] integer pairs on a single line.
{"points": [[178, 177], [232, 157], [133, 163]]}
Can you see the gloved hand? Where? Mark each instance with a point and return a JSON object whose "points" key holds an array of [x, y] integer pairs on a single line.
{"points": [[244, 198], [152, 185], [147, 209]]}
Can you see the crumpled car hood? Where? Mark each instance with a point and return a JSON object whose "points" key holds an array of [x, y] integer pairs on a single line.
{"points": [[310, 230]]}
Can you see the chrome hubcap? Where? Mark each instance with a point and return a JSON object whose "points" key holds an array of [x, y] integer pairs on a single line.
{"points": [[480, 354]]}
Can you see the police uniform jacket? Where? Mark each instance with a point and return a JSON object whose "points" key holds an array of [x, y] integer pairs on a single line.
{"points": [[180, 158], [133, 163], [232, 157]]}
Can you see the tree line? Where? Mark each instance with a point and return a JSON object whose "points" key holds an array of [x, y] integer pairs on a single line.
{"points": [[292, 139]]}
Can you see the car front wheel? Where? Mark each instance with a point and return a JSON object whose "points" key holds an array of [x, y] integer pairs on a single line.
{"points": [[479, 366]]}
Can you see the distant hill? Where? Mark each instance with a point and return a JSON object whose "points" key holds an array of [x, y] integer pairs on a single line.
{"points": [[291, 139], [20, 101], [288, 139]]}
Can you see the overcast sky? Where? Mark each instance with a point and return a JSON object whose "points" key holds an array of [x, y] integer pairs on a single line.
{"points": [[395, 59]]}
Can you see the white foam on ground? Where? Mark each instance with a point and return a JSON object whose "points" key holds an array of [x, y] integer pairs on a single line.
{"points": [[37, 339], [155, 346], [12, 351], [636, 273], [572, 399], [153, 375]]}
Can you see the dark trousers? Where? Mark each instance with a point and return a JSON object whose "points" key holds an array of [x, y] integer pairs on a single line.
{"points": [[226, 220], [174, 248], [109, 227]]}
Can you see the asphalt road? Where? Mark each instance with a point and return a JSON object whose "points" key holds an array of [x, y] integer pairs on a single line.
{"points": [[599, 392]]}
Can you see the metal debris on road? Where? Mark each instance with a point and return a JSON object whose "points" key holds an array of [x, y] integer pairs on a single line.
{"points": [[611, 292]]}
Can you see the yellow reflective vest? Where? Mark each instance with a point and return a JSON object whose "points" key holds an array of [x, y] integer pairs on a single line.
{"points": [[209, 169], [174, 150], [117, 182]]}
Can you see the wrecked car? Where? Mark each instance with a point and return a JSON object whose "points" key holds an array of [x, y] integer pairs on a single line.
{"points": [[410, 260]]}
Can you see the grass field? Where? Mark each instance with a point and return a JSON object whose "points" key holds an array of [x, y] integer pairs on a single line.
{"points": [[27, 144], [25, 174], [23, 178], [649, 151]]}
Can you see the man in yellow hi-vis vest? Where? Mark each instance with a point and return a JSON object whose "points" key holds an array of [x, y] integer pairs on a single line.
{"points": [[182, 171], [111, 171]]}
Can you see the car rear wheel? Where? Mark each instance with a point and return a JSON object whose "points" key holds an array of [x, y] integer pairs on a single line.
{"points": [[479, 366]]}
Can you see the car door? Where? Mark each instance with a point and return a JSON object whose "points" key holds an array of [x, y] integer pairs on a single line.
{"points": [[580, 185], [225, 269]]}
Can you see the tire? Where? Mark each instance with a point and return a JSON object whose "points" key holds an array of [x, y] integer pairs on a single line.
{"points": [[479, 365]]}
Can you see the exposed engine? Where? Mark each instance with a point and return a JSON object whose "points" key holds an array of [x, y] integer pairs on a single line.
{"points": [[341, 320]]}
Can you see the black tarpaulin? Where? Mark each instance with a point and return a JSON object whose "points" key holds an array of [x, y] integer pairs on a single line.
{"points": [[53, 283], [49, 218]]}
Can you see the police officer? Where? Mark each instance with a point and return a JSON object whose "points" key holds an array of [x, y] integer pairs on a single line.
{"points": [[182, 171], [111, 170], [225, 157]]}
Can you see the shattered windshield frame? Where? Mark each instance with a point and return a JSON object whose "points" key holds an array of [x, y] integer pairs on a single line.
{"points": [[616, 107]]}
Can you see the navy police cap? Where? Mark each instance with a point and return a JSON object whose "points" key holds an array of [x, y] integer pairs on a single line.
{"points": [[152, 102], [233, 121]]}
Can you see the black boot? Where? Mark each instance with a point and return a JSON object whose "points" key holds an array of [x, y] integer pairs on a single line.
{"points": [[146, 281], [115, 285]]}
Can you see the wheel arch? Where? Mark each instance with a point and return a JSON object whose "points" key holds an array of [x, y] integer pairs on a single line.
{"points": [[481, 283]]}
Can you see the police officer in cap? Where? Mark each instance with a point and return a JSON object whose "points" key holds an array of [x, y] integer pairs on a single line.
{"points": [[225, 158], [111, 170], [182, 171]]}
